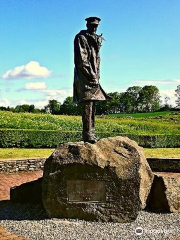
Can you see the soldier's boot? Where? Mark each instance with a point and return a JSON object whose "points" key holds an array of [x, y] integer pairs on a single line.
{"points": [[89, 137], [93, 135]]}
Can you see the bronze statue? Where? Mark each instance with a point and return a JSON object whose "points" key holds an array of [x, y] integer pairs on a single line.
{"points": [[87, 89]]}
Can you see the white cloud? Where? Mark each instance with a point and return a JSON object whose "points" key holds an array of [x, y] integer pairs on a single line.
{"points": [[168, 93], [23, 102], [4, 102], [59, 95], [36, 86], [154, 82], [41, 104], [28, 71]]}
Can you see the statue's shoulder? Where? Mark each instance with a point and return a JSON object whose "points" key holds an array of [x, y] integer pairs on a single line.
{"points": [[82, 34]]}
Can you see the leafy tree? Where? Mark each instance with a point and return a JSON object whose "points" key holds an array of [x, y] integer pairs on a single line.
{"points": [[129, 101], [149, 99], [69, 107], [125, 104], [101, 107], [53, 107], [25, 108], [31, 108], [3, 108], [177, 94], [11, 109], [37, 110], [133, 96], [22, 108], [111, 106]]}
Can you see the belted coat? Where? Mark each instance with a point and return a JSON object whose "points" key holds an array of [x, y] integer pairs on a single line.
{"points": [[87, 68]]}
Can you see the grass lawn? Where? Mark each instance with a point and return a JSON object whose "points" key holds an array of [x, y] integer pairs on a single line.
{"points": [[163, 152], [139, 115], [15, 153]]}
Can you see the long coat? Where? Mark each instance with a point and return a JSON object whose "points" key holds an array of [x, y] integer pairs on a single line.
{"points": [[86, 72]]}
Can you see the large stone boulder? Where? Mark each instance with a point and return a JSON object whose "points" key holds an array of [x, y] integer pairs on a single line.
{"points": [[165, 193], [106, 181]]}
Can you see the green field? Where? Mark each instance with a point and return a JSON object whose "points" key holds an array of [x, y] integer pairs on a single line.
{"points": [[140, 115], [27, 130], [169, 124]]}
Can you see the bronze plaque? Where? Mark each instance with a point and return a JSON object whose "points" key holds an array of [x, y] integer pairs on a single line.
{"points": [[86, 191]]}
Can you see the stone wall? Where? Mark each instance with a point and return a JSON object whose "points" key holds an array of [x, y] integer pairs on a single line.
{"points": [[35, 164], [10, 166]]}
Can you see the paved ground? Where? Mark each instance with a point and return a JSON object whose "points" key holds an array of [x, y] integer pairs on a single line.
{"points": [[8, 236], [14, 179], [6, 182]]}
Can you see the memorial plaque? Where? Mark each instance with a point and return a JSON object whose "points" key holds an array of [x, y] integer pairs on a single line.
{"points": [[86, 191]]}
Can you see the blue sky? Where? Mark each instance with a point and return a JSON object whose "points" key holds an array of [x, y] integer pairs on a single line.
{"points": [[142, 46]]}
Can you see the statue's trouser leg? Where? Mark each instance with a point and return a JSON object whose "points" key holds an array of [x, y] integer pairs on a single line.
{"points": [[88, 119]]}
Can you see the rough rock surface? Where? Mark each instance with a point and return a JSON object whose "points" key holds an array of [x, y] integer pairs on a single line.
{"points": [[117, 162], [165, 193]]}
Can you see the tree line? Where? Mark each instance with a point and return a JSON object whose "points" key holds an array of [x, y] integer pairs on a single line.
{"points": [[134, 99]]}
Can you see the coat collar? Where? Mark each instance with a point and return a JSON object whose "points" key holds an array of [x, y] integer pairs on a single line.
{"points": [[97, 39]]}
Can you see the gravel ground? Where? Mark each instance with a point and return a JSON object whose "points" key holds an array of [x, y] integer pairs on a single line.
{"points": [[30, 221]]}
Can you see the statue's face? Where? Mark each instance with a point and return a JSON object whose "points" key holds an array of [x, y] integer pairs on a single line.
{"points": [[92, 28]]}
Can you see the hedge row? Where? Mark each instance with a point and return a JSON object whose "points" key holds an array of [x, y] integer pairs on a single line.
{"points": [[50, 139], [26, 138], [150, 141]]}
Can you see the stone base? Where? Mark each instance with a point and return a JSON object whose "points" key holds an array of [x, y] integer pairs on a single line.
{"points": [[165, 193], [106, 181]]}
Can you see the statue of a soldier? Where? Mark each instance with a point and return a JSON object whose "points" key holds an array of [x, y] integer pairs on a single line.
{"points": [[87, 89]]}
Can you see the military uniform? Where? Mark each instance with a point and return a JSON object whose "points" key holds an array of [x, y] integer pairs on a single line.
{"points": [[87, 89]]}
